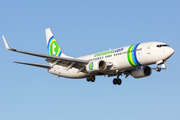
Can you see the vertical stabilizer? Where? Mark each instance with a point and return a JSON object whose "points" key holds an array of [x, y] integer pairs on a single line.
{"points": [[52, 45]]}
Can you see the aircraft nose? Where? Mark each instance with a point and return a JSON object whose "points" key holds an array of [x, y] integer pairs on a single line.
{"points": [[171, 51]]}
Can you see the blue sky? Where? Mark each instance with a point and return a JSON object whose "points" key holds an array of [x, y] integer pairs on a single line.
{"points": [[81, 28]]}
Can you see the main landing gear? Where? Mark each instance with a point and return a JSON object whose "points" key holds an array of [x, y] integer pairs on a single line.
{"points": [[117, 81], [91, 78]]}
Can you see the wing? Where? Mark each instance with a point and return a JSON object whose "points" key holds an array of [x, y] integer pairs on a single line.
{"points": [[64, 61], [36, 65]]}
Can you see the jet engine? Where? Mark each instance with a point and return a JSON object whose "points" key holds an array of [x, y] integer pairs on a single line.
{"points": [[141, 72], [95, 66]]}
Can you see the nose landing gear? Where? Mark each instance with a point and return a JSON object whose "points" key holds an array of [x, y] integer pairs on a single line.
{"points": [[158, 69], [162, 63]]}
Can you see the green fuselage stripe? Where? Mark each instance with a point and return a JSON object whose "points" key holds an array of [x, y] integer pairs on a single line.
{"points": [[129, 57]]}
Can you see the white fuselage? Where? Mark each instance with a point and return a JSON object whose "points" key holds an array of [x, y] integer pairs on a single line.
{"points": [[121, 59]]}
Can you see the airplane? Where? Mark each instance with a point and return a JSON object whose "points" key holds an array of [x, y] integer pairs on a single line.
{"points": [[131, 60]]}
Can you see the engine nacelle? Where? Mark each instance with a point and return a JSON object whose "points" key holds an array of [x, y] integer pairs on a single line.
{"points": [[94, 66], [141, 72]]}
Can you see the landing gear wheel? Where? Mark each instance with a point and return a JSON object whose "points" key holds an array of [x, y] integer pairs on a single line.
{"points": [[93, 79], [158, 69], [115, 81], [88, 79], [119, 81]]}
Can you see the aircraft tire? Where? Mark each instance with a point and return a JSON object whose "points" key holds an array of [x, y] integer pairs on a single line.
{"points": [[119, 82], [93, 79], [115, 81], [158, 69], [88, 79]]}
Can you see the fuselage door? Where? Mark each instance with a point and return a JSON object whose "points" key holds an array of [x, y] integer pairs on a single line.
{"points": [[149, 49]]}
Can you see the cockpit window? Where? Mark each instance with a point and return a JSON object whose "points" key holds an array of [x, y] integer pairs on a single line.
{"points": [[165, 45]]}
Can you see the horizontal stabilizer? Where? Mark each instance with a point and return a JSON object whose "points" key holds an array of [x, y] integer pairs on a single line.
{"points": [[36, 65]]}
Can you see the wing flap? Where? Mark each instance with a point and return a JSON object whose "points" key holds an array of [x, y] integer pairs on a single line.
{"points": [[66, 64]]}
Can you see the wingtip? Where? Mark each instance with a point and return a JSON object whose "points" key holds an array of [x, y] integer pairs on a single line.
{"points": [[5, 42]]}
